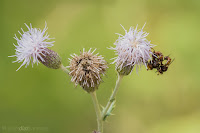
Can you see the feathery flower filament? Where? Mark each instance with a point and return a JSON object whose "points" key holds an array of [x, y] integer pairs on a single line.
{"points": [[133, 49], [31, 46]]}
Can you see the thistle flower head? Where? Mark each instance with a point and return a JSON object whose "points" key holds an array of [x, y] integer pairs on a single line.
{"points": [[32, 46], [86, 70], [133, 49]]}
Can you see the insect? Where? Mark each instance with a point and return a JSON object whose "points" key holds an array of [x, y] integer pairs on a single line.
{"points": [[158, 55], [157, 62], [164, 68], [168, 60]]}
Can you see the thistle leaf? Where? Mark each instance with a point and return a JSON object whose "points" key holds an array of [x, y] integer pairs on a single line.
{"points": [[110, 109]]}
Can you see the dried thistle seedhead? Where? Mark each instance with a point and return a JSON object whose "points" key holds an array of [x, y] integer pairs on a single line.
{"points": [[86, 70]]}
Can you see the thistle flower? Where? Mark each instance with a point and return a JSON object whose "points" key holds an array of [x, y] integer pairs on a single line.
{"points": [[86, 70], [33, 47], [133, 49]]}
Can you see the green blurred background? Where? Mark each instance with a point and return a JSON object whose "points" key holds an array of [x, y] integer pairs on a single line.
{"points": [[146, 103]]}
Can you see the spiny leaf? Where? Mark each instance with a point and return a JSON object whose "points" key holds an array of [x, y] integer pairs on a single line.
{"points": [[110, 109]]}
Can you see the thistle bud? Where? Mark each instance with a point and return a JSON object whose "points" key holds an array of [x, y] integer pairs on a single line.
{"points": [[125, 70], [86, 70], [50, 59]]}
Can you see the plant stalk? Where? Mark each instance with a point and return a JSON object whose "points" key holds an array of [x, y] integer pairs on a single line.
{"points": [[112, 97], [98, 112], [64, 68]]}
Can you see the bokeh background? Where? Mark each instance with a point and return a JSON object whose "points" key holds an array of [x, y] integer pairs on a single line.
{"points": [[45, 99]]}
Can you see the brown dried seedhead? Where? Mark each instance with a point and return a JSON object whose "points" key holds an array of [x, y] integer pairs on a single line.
{"points": [[86, 70]]}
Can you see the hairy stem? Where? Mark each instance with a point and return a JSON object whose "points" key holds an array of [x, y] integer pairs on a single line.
{"points": [[64, 68], [112, 98], [98, 112]]}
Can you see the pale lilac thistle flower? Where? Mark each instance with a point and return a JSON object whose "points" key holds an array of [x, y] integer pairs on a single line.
{"points": [[133, 49], [31, 46]]}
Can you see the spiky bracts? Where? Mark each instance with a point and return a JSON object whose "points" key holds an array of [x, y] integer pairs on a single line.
{"points": [[86, 70]]}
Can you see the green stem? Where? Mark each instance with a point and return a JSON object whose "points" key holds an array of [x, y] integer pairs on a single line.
{"points": [[112, 97], [64, 68], [98, 112]]}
